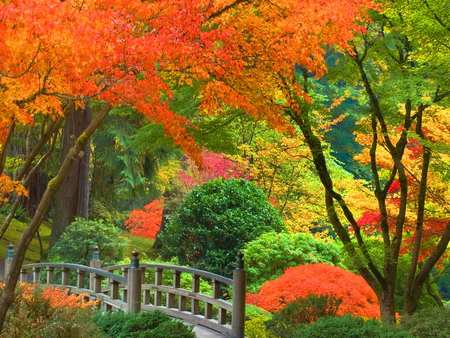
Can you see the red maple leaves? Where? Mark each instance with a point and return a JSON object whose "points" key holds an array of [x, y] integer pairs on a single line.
{"points": [[146, 222], [357, 297]]}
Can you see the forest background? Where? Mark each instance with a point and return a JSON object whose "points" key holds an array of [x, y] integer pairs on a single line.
{"points": [[337, 111]]}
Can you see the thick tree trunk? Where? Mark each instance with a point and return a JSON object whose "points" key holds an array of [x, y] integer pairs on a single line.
{"points": [[28, 234], [387, 304], [72, 199]]}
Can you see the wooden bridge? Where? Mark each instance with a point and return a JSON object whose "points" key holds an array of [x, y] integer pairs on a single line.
{"points": [[138, 287]]}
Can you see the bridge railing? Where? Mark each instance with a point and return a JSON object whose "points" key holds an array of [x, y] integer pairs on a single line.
{"points": [[139, 286]]}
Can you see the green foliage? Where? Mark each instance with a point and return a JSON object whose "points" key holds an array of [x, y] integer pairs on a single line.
{"points": [[98, 210], [428, 323], [255, 322], [32, 315], [376, 250], [215, 221], [302, 311], [20, 214], [268, 256], [142, 325], [348, 327], [76, 243]]}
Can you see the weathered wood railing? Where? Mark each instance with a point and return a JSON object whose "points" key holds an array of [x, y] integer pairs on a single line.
{"points": [[128, 288]]}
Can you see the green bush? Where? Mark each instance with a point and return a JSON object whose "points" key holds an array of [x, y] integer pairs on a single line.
{"points": [[302, 311], [154, 324], [348, 327], [32, 315], [268, 256], [215, 221], [76, 243], [255, 322], [428, 323]]}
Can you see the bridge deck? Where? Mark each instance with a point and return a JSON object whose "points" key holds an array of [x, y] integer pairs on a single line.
{"points": [[204, 332]]}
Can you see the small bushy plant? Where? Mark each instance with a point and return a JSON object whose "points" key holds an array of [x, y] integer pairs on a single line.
{"points": [[348, 327], [268, 256], [302, 311], [49, 313], [154, 324], [76, 243], [428, 323], [255, 322]]}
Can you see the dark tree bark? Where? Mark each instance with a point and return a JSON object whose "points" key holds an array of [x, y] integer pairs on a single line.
{"points": [[27, 235], [72, 199]]}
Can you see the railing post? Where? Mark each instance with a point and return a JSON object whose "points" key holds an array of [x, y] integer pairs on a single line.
{"points": [[134, 284], [8, 260], [239, 290], [94, 263]]}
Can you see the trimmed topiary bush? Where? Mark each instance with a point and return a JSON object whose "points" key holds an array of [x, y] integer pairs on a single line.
{"points": [[215, 221]]}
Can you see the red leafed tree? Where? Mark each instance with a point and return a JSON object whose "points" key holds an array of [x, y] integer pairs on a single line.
{"points": [[146, 222], [358, 298], [215, 165]]}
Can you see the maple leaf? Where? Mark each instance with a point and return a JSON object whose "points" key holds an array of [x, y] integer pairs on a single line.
{"points": [[146, 222]]}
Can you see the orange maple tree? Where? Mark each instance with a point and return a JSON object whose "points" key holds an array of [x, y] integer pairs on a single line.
{"points": [[146, 222], [358, 298], [116, 52]]}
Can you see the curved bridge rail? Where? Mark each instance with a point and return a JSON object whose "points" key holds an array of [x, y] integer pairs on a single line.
{"points": [[136, 287]]}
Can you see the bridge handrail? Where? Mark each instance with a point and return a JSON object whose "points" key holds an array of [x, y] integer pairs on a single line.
{"points": [[130, 292], [201, 273], [72, 266]]}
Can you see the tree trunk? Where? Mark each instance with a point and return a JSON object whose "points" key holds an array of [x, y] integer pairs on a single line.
{"points": [[387, 304], [72, 199], [52, 188]]}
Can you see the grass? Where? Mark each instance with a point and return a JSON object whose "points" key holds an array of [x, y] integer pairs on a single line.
{"points": [[33, 254]]}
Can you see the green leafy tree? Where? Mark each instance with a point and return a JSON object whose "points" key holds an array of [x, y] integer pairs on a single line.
{"points": [[268, 256], [215, 221]]}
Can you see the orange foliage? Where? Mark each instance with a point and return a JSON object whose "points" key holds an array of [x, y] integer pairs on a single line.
{"points": [[146, 222], [58, 297], [358, 298], [7, 186]]}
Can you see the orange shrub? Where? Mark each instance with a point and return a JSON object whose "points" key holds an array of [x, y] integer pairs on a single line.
{"points": [[358, 298]]}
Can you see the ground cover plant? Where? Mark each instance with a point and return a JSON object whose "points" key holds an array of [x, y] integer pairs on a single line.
{"points": [[349, 327], [154, 324]]}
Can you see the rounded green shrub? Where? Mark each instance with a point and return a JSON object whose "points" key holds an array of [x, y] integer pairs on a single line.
{"points": [[76, 243], [215, 221], [268, 256]]}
